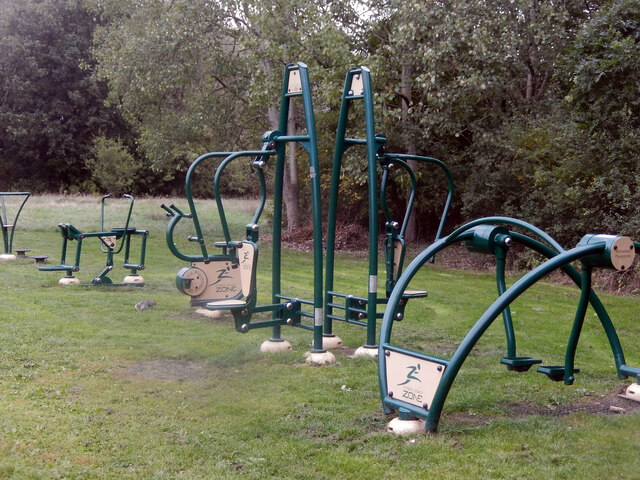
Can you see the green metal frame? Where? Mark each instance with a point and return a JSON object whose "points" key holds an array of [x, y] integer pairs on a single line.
{"points": [[360, 310], [285, 309], [8, 228], [122, 234], [558, 258]]}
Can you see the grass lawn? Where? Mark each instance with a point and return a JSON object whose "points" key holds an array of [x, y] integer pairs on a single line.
{"points": [[92, 389]]}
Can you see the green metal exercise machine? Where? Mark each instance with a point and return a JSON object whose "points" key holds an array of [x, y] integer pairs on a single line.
{"points": [[416, 384], [112, 242], [7, 224], [361, 310], [226, 281]]}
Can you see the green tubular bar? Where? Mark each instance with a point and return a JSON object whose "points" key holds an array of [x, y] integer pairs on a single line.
{"points": [[273, 145], [558, 258], [375, 153], [8, 228], [176, 215], [71, 233]]}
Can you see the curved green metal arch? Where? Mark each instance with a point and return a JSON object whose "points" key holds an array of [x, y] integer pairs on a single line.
{"points": [[558, 258]]}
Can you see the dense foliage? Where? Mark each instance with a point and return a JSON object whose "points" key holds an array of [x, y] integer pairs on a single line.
{"points": [[534, 105]]}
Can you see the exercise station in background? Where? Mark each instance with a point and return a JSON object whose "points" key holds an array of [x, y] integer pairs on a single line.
{"points": [[112, 242], [226, 280], [381, 165], [415, 384], [222, 275], [11, 204]]}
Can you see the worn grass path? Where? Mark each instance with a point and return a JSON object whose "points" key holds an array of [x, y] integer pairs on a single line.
{"points": [[92, 389]]}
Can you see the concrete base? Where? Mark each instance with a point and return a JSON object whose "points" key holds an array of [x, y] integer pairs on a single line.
{"points": [[275, 346], [5, 257], [321, 358], [632, 392], [406, 427], [209, 313], [365, 351], [331, 341], [68, 281], [134, 279]]}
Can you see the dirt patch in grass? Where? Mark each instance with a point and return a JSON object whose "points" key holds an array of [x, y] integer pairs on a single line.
{"points": [[610, 404], [168, 370]]}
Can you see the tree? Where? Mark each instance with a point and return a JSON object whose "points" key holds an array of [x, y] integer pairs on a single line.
{"points": [[480, 70], [205, 75], [51, 106]]}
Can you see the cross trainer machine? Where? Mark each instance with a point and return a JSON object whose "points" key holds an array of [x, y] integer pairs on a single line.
{"points": [[9, 225], [360, 310], [226, 281], [112, 242], [416, 384]]}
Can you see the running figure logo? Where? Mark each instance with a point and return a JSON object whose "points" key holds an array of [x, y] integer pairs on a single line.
{"points": [[222, 274], [410, 375]]}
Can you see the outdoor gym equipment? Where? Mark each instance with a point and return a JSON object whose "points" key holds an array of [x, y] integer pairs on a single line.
{"points": [[112, 242], [360, 310], [416, 384], [227, 280], [9, 225]]}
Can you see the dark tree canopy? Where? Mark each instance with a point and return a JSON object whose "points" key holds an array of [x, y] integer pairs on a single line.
{"points": [[51, 105]]}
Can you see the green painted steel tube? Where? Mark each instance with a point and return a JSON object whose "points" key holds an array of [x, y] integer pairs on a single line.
{"points": [[596, 303], [447, 172], [394, 300], [576, 329], [463, 350], [338, 153], [192, 206], [309, 142], [218, 197], [506, 313], [410, 201], [4, 221], [178, 215], [316, 202], [558, 259], [373, 207], [489, 316]]}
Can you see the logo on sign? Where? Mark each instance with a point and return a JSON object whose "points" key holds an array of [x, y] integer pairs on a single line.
{"points": [[222, 275], [410, 376]]}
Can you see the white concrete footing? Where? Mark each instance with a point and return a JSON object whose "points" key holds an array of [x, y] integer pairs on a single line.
{"points": [[366, 351], [406, 427], [134, 279], [632, 392], [68, 281], [320, 358], [5, 257], [209, 313], [331, 341], [275, 346]]}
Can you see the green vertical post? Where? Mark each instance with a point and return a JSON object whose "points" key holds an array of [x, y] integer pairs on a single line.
{"points": [[501, 255], [576, 329], [338, 152], [372, 296]]}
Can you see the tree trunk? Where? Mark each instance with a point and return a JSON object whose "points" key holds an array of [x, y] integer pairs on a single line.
{"points": [[411, 234], [291, 185]]}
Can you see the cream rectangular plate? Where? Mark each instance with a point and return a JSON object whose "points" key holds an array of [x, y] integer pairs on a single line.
{"points": [[295, 84], [412, 380]]}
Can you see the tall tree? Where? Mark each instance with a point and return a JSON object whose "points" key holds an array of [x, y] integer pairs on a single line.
{"points": [[51, 106], [176, 71], [202, 75], [478, 68]]}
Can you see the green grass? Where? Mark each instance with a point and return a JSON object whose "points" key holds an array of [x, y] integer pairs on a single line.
{"points": [[90, 388]]}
